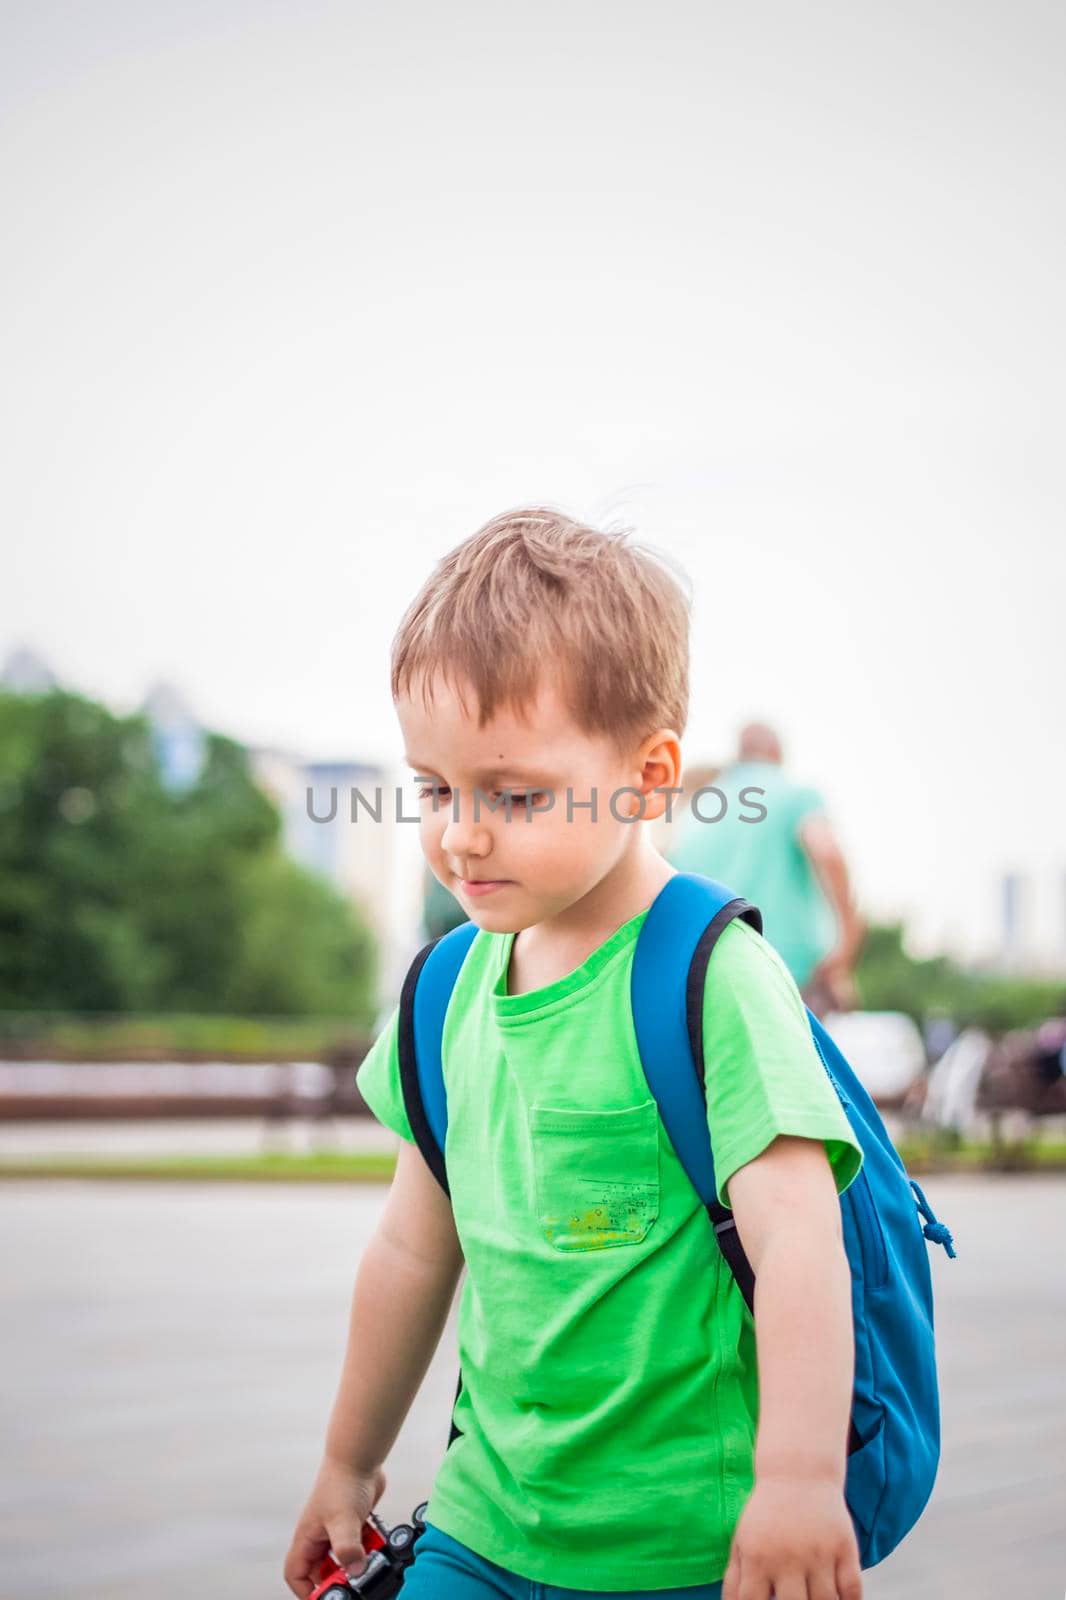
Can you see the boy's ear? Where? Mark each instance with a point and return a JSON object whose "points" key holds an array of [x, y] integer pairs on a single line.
{"points": [[660, 768]]}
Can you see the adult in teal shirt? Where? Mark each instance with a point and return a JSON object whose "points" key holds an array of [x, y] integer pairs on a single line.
{"points": [[773, 843]]}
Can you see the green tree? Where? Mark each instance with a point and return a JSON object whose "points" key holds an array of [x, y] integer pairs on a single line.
{"points": [[889, 979], [118, 895], [298, 950]]}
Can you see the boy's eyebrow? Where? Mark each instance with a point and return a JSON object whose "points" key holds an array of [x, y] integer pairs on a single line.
{"points": [[523, 773]]}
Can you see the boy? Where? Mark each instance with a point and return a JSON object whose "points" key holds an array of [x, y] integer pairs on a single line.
{"points": [[607, 1414]]}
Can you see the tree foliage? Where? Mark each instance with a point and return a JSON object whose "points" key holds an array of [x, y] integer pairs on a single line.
{"points": [[890, 979], [117, 894]]}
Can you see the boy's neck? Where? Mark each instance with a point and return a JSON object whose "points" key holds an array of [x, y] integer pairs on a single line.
{"points": [[547, 951]]}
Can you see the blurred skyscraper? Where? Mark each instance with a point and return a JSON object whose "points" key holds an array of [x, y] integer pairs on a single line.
{"points": [[179, 741], [1032, 920], [315, 800], [1013, 919], [25, 673]]}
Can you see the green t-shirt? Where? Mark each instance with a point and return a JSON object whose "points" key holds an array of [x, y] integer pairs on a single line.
{"points": [[609, 1394], [763, 860]]}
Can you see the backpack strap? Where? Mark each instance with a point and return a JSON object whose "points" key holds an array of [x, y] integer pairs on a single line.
{"points": [[668, 980], [424, 999], [677, 937]]}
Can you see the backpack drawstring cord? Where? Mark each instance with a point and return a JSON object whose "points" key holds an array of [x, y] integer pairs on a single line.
{"points": [[936, 1231]]}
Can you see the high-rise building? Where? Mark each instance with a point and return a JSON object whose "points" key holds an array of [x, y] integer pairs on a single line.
{"points": [[26, 673], [1013, 931], [179, 740], [340, 819], [1032, 920]]}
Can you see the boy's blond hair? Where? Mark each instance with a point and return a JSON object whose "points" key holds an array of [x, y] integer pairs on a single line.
{"points": [[533, 593]]}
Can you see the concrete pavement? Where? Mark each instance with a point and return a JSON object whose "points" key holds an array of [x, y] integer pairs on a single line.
{"points": [[172, 1351], [186, 1136]]}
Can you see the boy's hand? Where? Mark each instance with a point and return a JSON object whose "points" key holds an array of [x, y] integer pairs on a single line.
{"points": [[794, 1541], [332, 1519]]}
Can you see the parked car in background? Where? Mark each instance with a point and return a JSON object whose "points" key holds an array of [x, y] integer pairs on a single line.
{"points": [[885, 1048]]}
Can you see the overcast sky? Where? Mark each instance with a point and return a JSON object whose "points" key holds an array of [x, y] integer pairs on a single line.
{"points": [[297, 295]]}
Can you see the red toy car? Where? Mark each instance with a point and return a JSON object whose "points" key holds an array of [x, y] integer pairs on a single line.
{"points": [[389, 1553]]}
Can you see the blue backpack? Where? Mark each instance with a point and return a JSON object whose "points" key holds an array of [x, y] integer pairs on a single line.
{"points": [[894, 1432]]}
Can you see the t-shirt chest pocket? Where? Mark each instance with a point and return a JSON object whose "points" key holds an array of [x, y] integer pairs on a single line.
{"points": [[597, 1174]]}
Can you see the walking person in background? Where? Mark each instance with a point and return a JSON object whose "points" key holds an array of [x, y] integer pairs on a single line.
{"points": [[773, 843]]}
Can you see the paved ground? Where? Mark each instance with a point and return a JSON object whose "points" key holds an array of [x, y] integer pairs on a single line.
{"points": [[180, 1136], [171, 1353]]}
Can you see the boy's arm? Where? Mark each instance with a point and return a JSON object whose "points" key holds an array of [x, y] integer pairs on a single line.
{"points": [[796, 1528], [403, 1292]]}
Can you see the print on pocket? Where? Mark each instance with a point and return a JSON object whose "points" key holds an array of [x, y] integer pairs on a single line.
{"points": [[597, 1174], [608, 1213]]}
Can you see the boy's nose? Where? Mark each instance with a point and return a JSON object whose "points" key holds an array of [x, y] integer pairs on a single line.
{"points": [[464, 838]]}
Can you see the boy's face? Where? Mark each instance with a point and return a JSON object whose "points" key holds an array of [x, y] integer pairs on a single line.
{"points": [[511, 874]]}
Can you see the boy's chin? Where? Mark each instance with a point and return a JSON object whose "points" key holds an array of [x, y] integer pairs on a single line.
{"points": [[498, 913], [496, 921]]}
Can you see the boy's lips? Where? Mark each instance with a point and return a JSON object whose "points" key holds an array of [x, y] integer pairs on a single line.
{"points": [[478, 886]]}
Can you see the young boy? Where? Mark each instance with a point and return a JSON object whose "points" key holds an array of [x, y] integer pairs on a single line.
{"points": [[610, 1394]]}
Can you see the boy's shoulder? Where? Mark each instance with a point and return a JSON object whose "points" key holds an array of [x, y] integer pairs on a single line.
{"points": [[755, 1019], [742, 954]]}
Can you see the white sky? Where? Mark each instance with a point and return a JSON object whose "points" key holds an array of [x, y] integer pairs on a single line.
{"points": [[297, 295]]}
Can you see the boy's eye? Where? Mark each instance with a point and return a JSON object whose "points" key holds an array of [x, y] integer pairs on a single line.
{"points": [[518, 798], [525, 797]]}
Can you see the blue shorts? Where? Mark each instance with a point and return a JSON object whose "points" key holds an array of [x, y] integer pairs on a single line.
{"points": [[444, 1569]]}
